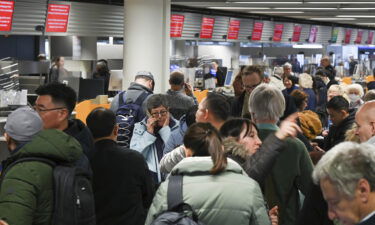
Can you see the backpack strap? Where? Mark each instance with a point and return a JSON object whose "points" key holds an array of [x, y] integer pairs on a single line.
{"points": [[174, 192], [121, 98], [141, 98]]}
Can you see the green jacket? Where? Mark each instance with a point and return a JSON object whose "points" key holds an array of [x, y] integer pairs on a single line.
{"points": [[228, 198], [291, 173], [26, 192]]}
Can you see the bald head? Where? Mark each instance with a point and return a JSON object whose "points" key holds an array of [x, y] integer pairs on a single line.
{"points": [[365, 120]]}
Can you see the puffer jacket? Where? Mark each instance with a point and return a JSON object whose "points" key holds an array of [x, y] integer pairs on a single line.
{"points": [[177, 136], [227, 198], [26, 191], [144, 142]]}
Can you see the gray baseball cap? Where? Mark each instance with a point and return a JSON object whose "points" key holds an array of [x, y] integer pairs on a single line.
{"points": [[23, 123], [144, 74]]}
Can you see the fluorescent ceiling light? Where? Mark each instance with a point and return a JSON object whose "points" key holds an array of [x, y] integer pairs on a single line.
{"points": [[308, 46], [324, 2], [365, 9], [372, 24], [330, 18], [277, 12], [236, 8], [259, 2], [298, 8], [355, 16]]}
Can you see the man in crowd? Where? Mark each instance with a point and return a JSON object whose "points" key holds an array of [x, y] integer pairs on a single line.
{"points": [[331, 72], [365, 120], [251, 76], [291, 172], [55, 104], [142, 87], [287, 68], [342, 120], [180, 96], [346, 175], [213, 109], [122, 187], [26, 191]]}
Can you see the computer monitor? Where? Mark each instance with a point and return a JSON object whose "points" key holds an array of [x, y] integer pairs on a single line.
{"points": [[228, 78], [90, 88], [115, 80]]}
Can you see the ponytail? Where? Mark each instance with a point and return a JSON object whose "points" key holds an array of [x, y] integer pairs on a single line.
{"points": [[204, 140]]}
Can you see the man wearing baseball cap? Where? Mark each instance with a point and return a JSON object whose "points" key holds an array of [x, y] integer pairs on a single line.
{"points": [[26, 187]]}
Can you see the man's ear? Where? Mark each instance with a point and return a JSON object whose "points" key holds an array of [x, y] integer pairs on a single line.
{"points": [[7, 137], [363, 190], [115, 130]]}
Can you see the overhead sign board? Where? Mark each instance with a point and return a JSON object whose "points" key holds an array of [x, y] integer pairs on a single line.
{"points": [[57, 18]]}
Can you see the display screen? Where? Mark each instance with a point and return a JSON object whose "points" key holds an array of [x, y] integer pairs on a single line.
{"points": [[177, 24], [207, 27], [370, 37], [57, 18], [335, 34], [358, 40], [6, 15], [234, 29], [278, 32], [313, 34], [296, 33], [348, 35], [257, 31]]}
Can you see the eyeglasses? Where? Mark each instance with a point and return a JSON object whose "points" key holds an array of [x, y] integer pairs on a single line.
{"points": [[39, 110], [250, 87], [161, 113]]}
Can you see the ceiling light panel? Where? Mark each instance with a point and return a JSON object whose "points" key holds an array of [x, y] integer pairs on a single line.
{"points": [[277, 12]]}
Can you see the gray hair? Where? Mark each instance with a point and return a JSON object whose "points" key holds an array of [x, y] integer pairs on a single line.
{"points": [[345, 164], [155, 101], [288, 65], [305, 80], [266, 103]]}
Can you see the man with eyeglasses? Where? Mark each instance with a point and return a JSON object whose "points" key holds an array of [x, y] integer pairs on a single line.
{"points": [[152, 133], [251, 76], [365, 120], [55, 104]]}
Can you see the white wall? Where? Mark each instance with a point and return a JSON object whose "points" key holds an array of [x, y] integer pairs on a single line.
{"points": [[226, 53], [110, 51]]}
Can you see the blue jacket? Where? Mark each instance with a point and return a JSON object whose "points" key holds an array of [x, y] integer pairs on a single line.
{"points": [[144, 142], [177, 136]]}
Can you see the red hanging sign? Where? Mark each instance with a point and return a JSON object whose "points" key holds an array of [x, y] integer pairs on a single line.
{"points": [[207, 27], [278, 32], [296, 33], [6, 15], [358, 40], [348, 35], [370, 37], [313, 34], [177, 24], [257, 31], [57, 18], [234, 29]]}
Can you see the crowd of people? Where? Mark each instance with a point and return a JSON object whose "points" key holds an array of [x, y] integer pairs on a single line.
{"points": [[276, 153]]}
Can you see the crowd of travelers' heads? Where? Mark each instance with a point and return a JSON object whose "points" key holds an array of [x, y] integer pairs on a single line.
{"points": [[290, 81], [244, 132], [346, 175], [157, 107], [102, 123], [267, 103], [202, 139], [146, 79], [214, 108], [54, 104], [300, 99], [365, 120], [338, 109], [369, 96], [252, 76]]}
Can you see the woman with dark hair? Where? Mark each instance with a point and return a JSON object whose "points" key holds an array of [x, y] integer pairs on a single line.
{"points": [[215, 187], [290, 84], [102, 73]]}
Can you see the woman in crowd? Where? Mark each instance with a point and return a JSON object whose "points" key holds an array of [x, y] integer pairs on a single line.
{"points": [[56, 70], [355, 93], [215, 187], [102, 73], [306, 85], [152, 133], [290, 84]]}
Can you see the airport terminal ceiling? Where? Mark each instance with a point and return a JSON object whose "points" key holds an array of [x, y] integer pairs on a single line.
{"points": [[357, 13]]}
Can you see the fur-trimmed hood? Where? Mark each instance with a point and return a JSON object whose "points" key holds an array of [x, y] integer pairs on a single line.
{"points": [[232, 147]]}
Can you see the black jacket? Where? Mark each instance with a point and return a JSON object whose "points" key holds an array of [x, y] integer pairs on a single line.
{"points": [[122, 187], [336, 134], [371, 85], [314, 210], [370, 221], [237, 105]]}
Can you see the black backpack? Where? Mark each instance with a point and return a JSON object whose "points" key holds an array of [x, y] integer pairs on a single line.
{"points": [[73, 195], [178, 213], [127, 115]]}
